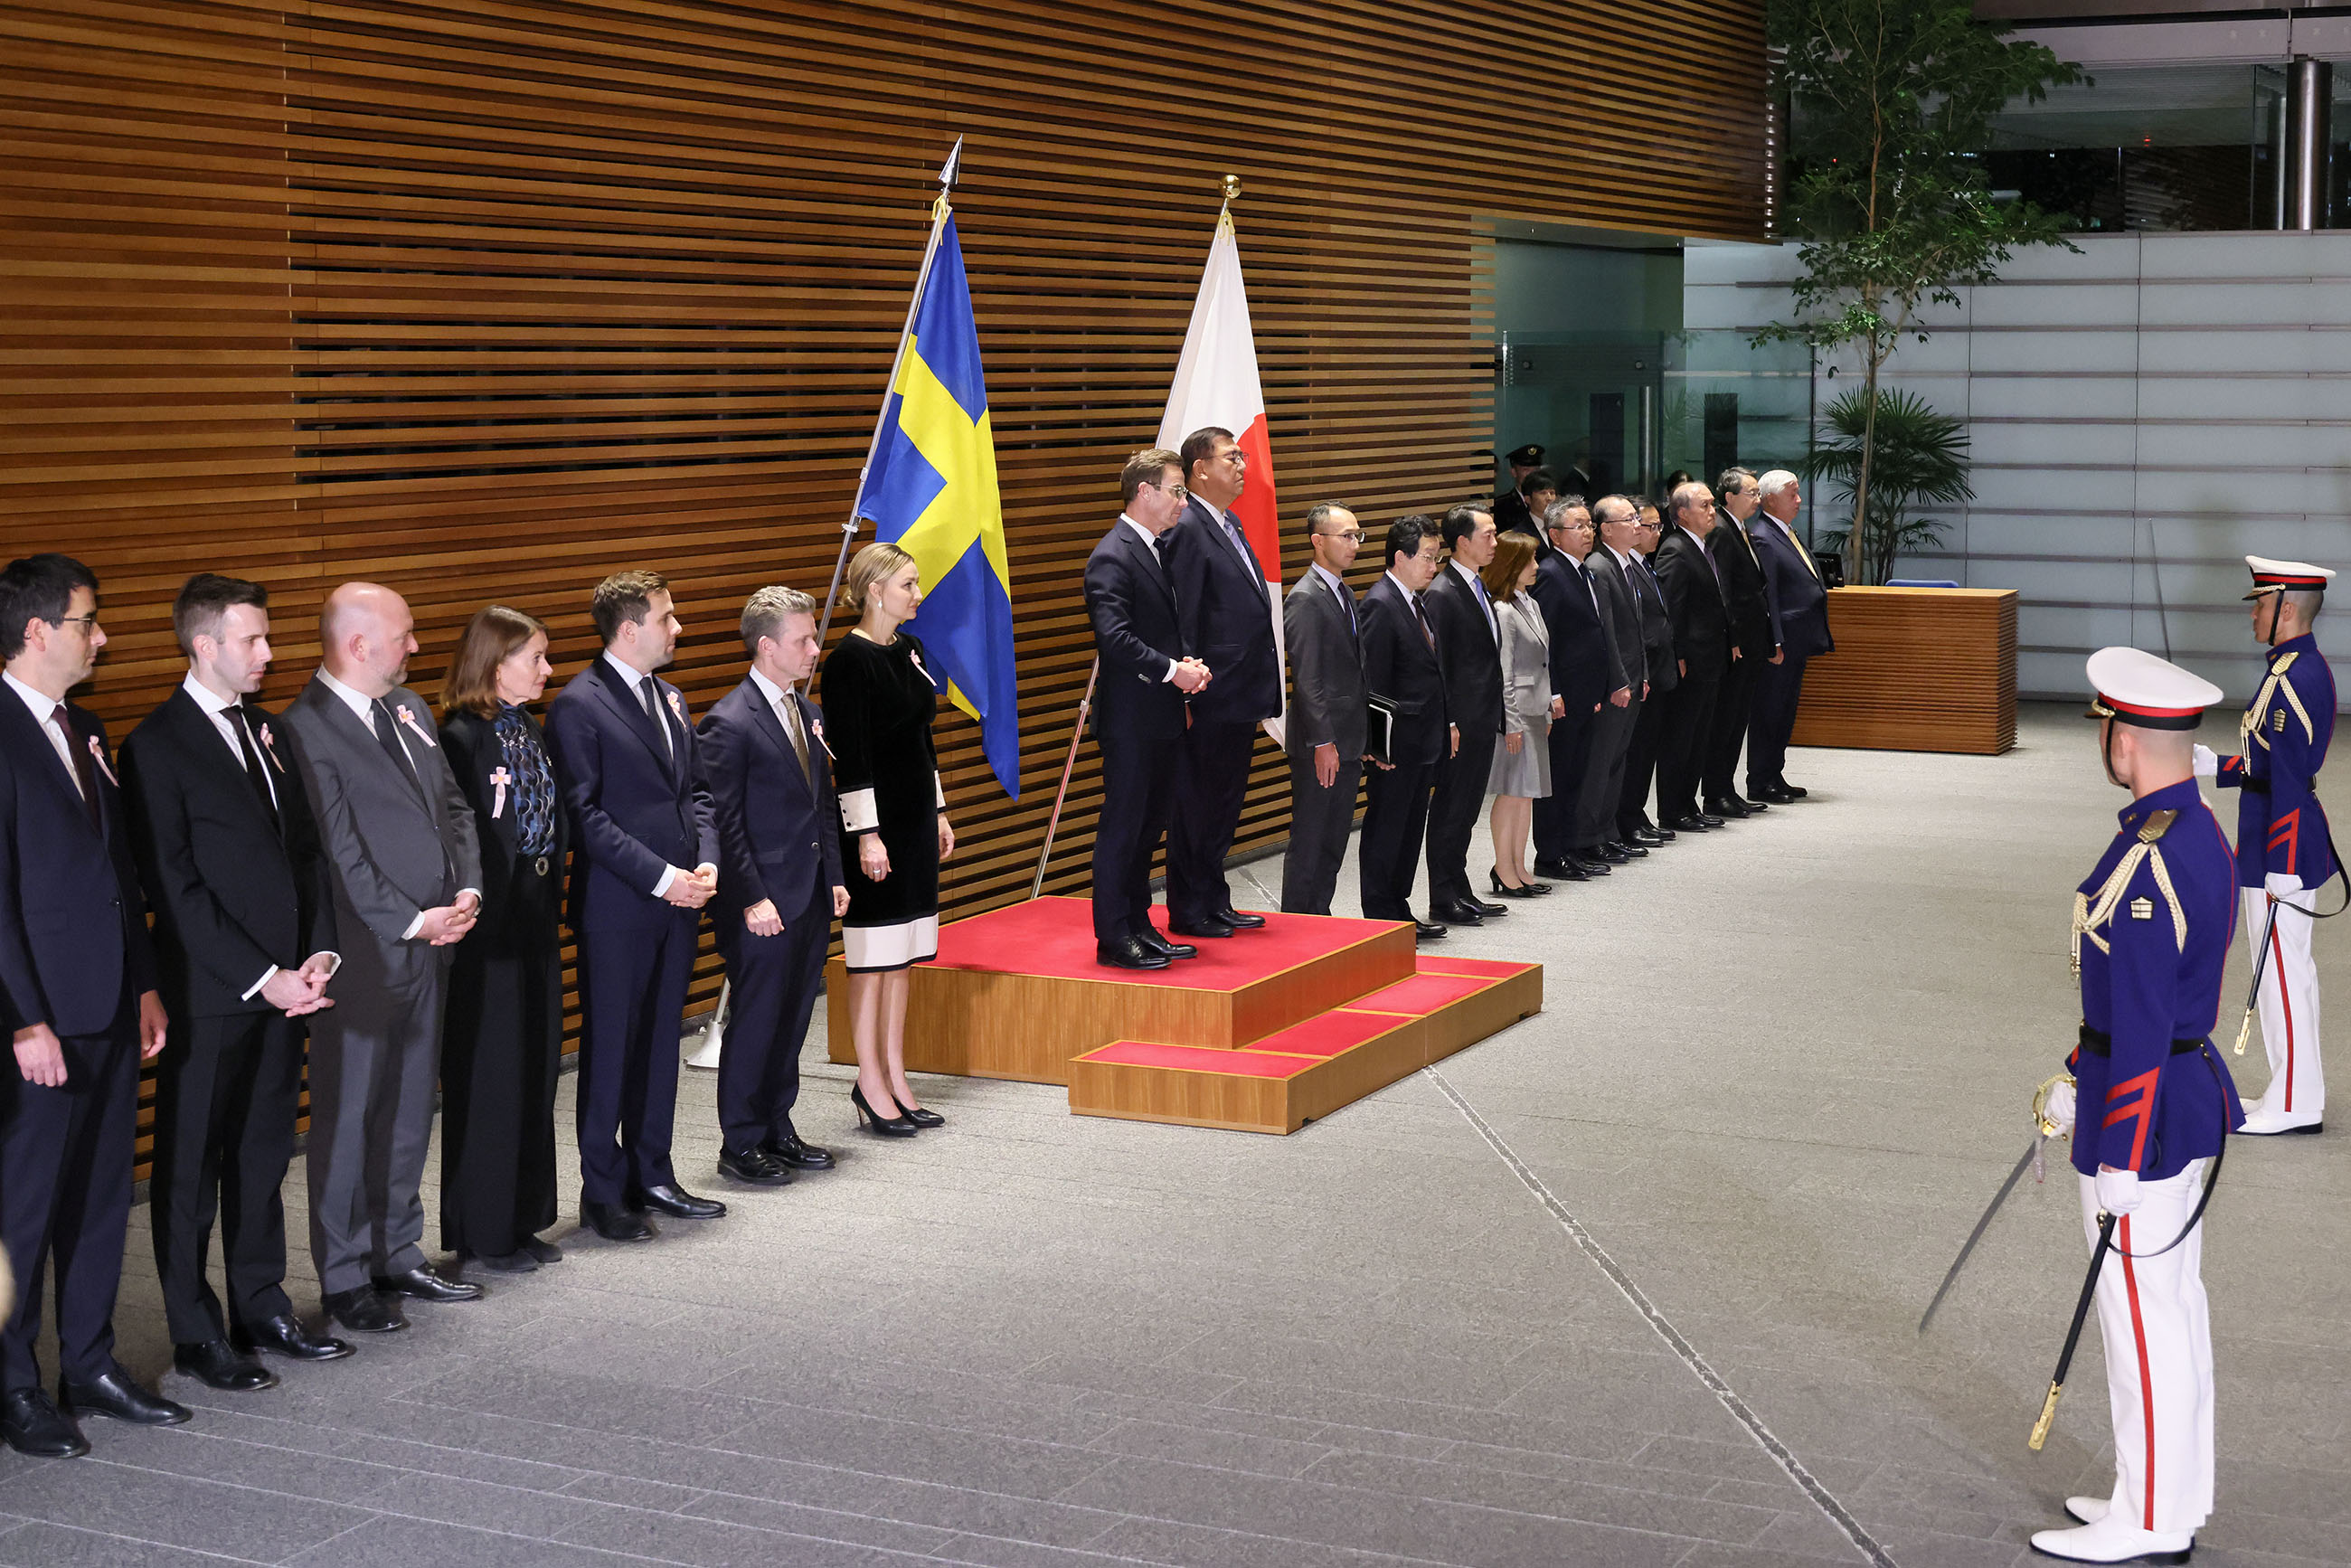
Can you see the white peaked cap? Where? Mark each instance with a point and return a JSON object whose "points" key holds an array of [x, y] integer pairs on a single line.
{"points": [[2272, 576], [2134, 686]]}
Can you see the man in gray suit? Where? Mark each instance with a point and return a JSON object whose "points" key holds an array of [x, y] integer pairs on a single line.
{"points": [[1596, 811], [404, 866], [1324, 735]]}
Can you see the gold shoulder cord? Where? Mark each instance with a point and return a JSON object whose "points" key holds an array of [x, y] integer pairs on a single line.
{"points": [[2250, 727], [2090, 914]]}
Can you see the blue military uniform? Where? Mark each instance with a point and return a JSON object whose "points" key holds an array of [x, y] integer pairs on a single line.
{"points": [[2152, 1106]]}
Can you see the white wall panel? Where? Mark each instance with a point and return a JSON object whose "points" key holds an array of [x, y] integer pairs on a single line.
{"points": [[2147, 412]]}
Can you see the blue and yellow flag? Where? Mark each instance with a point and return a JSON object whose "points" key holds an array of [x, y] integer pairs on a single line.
{"points": [[930, 489]]}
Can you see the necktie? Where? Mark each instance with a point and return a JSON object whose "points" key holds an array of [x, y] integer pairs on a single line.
{"points": [[1421, 615], [85, 775], [1240, 549], [1802, 553], [652, 711], [256, 772], [1347, 598], [387, 735], [787, 708]]}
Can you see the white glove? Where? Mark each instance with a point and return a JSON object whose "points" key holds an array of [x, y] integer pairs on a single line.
{"points": [[2208, 763], [2281, 884], [2118, 1190], [2057, 1107]]}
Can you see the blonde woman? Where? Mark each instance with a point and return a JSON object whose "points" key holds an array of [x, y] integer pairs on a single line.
{"points": [[1521, 773], [879, 699]]}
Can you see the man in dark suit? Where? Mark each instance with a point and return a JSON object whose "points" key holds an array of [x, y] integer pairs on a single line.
{"points": [[1469, 647], [1599, 810], [406, 873], [1753, 607], [1522, 510], [1703, 652], [1589, 679], [779, 885], [77, 993], [1403, 671], [1225, 613], [641, 816], [245, 931], [1804, 602], [1321, 628], [1138, 713], [1629, 536], [1509, 507]]}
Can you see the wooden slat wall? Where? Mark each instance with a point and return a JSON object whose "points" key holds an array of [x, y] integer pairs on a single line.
{"points": [[485, 301]]}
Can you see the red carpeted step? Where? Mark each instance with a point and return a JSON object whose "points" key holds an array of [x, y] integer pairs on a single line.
{"points": [[1421, 995]]}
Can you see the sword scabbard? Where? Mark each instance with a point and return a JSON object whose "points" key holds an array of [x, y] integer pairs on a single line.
{"points": [[2048, 1416], [2244, 1032]]}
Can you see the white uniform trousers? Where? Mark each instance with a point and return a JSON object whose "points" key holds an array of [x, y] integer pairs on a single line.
{"points": [[2158, 1329], [2289, 1004]]}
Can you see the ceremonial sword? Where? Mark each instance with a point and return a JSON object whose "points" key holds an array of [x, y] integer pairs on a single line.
{"points": [[2254, 997], [2032, 1153], [2073, 1334]]}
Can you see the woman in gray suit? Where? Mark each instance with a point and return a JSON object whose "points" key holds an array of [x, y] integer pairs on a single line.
{"points": [[1523, 763]]}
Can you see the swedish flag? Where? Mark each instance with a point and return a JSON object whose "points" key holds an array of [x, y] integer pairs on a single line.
{"points": [[930, 489]]}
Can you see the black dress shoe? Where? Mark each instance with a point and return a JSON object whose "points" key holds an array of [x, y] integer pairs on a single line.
{"points": [[1427, 930], [754, 1167], [1723, 806], [1457, 914], [285, 1335], [1149, 936], [614, 1223], [544, 1252], [1793, 791], [794, 1154], [1712, 819], [114, 1395], [1130, 955], [1657, 835], [1630, 852], [362, 1310], [216, 1364], [1694, 823], [1210, 927], [1489, 910], [1561, 871], [515, 1262], [1239, 921], [670, 1198], [1774, 794], [421, 1284], [1606, 854], [31, 1424], [1591, 867]]}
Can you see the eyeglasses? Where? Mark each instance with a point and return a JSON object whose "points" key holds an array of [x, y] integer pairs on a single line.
{"points": [[87, 623], [1178, 491], [1353, 535]]}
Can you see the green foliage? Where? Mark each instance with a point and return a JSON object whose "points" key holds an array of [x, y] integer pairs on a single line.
{"points": [[1893, 99], [1919, 457]]}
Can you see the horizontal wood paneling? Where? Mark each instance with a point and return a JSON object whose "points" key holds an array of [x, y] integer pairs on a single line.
{"points": [[483, 302], [1916, 669]]}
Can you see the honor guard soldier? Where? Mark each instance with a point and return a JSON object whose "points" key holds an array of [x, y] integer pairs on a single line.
{"points": [[2151, 931], [2284, 853], [1510, 508]]}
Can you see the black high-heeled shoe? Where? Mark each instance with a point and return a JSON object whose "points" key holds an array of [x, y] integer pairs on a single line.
{"points": [[882, 1126], [920, 1117], [1506, 890]]}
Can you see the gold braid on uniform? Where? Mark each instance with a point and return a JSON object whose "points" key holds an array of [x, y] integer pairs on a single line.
{"points": [[2249, 726], [2089, 913]]}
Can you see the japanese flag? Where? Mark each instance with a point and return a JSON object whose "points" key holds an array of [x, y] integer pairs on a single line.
{"points": [[1217, 384]]}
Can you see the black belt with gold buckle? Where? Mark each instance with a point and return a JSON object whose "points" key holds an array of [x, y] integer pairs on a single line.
{"points": [[2098, 1042]]}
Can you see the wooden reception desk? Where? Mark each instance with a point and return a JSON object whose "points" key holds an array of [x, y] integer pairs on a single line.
{"points": [[1916, 669]]}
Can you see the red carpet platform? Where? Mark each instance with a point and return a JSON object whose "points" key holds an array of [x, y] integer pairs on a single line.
{"points": [[1264, 1031]]}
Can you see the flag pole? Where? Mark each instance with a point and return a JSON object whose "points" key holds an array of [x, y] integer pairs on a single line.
{"points": [[1068, 765], [939, 210]]}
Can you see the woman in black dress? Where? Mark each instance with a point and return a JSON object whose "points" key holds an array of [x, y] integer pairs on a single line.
{"points": [[502, 1035], [879, 697]]}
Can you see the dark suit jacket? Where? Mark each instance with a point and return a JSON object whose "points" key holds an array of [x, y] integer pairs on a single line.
{"points": [[779, 828], [1694, 604], [1656, 624], [1225, 610], [1511, 513], [1326, 670], [1804, 601], [1624, 616], [234, 894], [1748, 599], [636, 807], [1584, 665], [474, 753], [1400, 666], [1472, 656], [1131, 604], [73, 926]]}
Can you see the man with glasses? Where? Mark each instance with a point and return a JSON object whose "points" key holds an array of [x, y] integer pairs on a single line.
{"points": [[1138, 710], [1703, 650], [1225, 610], [79, 997], [1321, 628], [1630, 534]]}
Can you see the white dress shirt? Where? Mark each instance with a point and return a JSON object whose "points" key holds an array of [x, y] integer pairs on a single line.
{"points": [[636, 678], [365, 707], [1485, 602], [1152, 539], [217, 709]]}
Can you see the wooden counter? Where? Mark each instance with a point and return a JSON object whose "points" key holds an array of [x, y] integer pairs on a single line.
{"points": [[1916, 669]]}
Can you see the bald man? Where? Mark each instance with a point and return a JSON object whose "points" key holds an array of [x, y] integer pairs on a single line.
{"points": [[405, 870]]}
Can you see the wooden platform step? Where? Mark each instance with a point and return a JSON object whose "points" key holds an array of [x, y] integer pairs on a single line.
{"points": [[1302, 1073]]}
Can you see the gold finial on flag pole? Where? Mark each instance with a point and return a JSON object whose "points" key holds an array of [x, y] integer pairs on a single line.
{"points": [[1232, 187]]}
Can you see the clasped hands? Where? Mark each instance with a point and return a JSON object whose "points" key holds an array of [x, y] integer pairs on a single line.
{"points": [[295, 992], [691, 889], [448, 924], [1189, 675]]}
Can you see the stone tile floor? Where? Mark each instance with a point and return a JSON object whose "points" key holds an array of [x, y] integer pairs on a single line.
{"points": [[1779, 1071]]}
